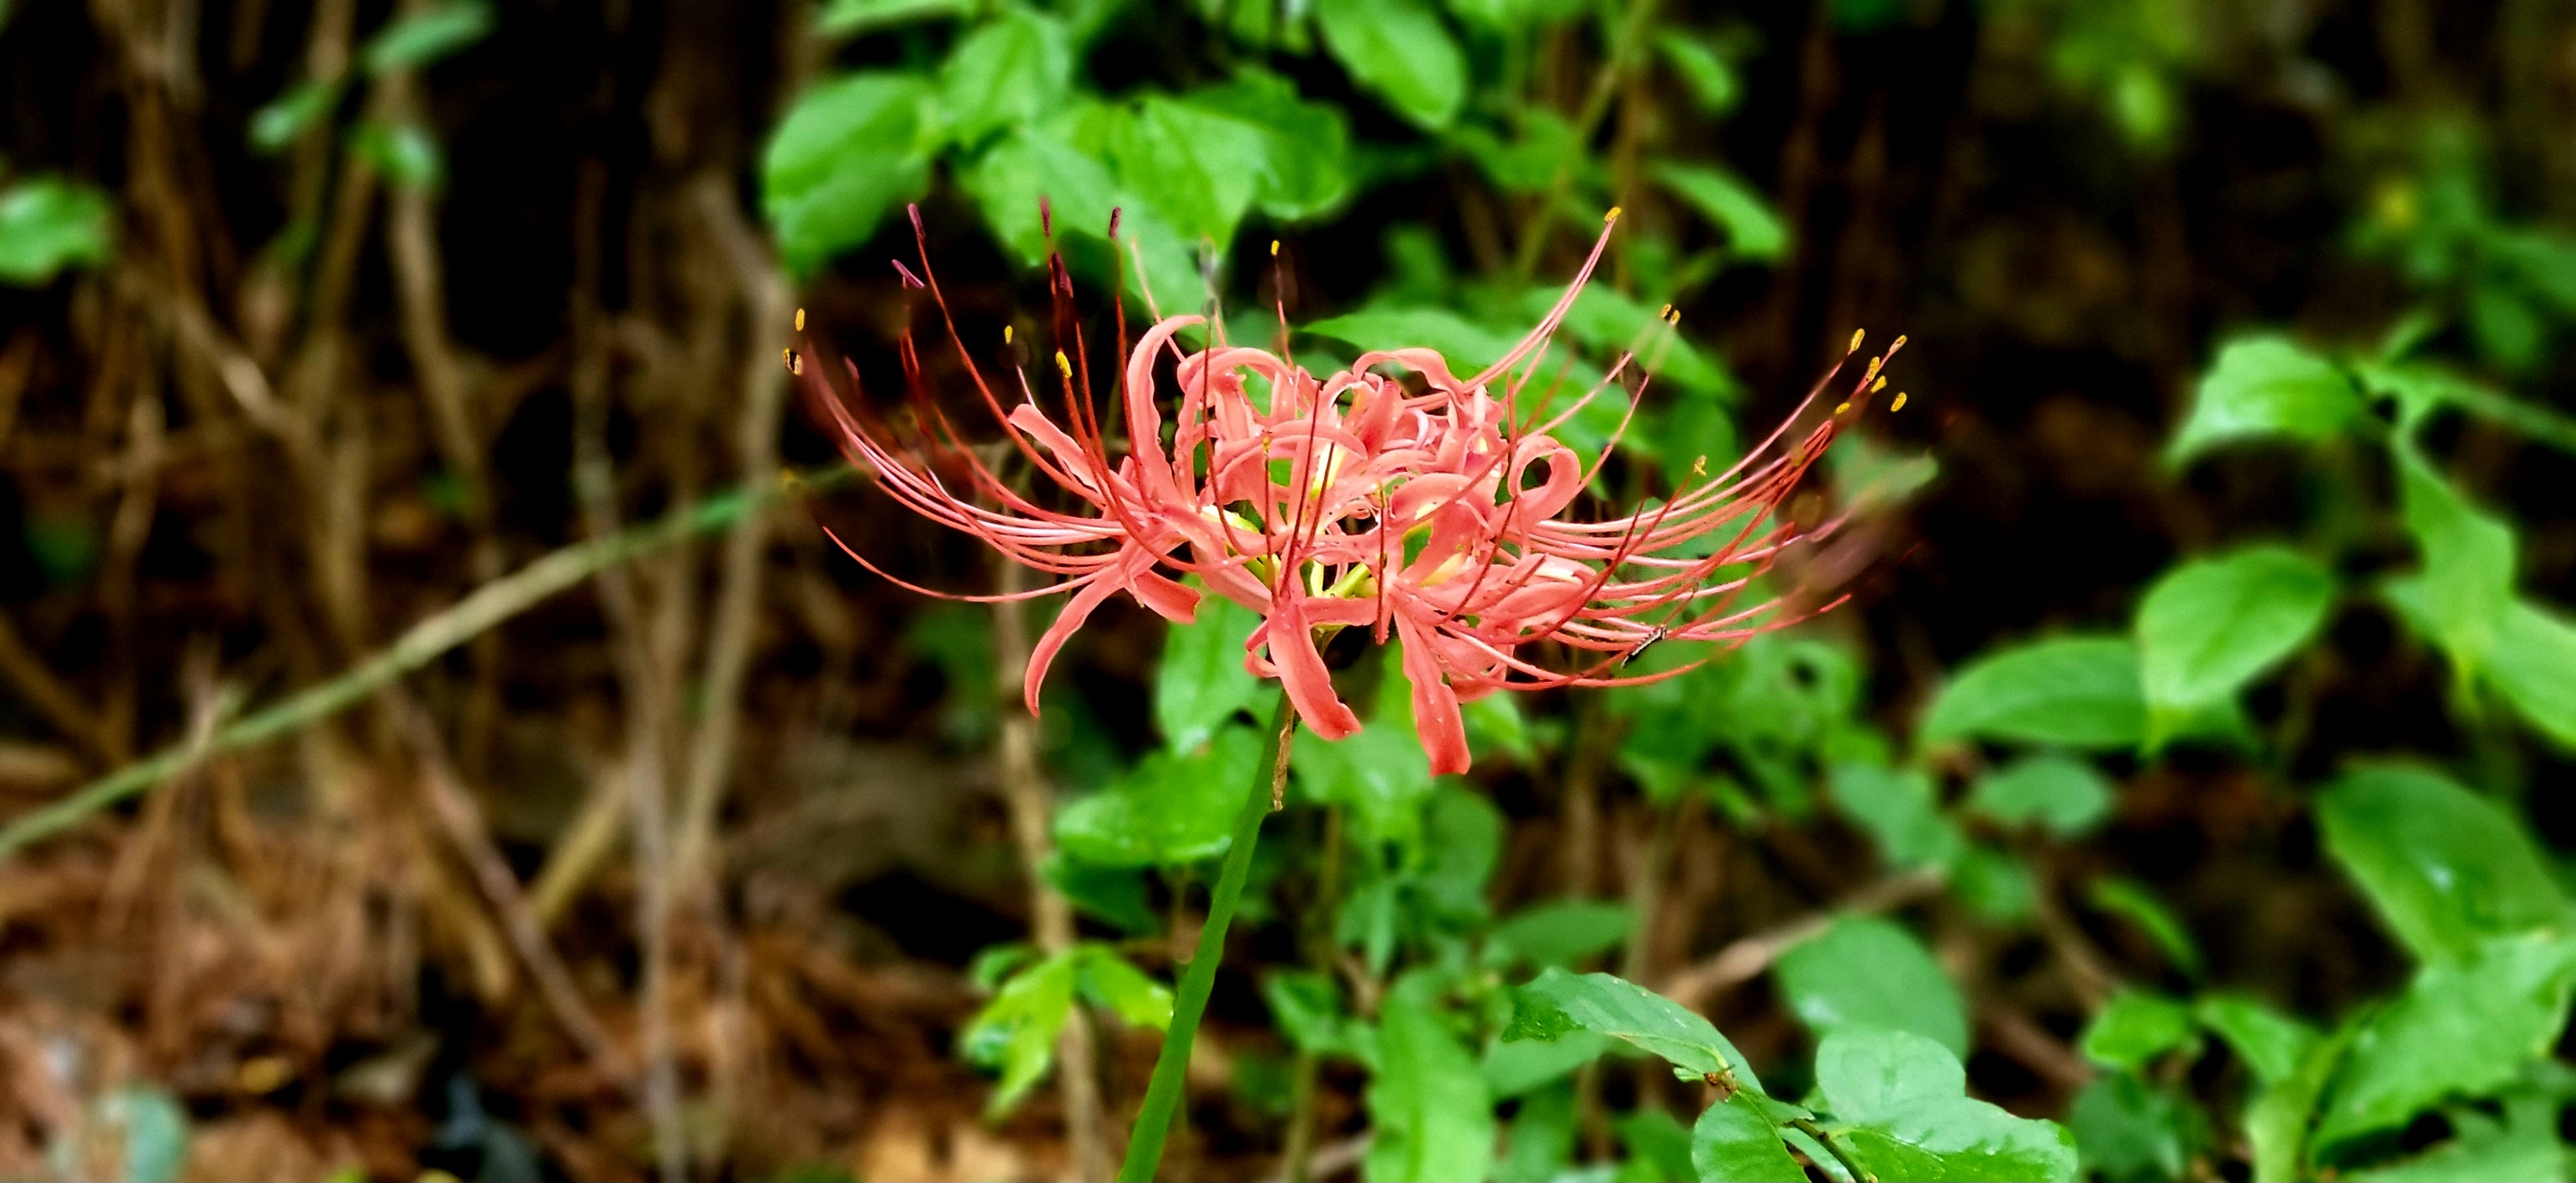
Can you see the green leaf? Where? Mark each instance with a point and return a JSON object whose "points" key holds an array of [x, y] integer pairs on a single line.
{"points": [[1659, 1149], [1735, 1141], [2418, 388], [2445, 867], [1198, 168], [1108, 980], [1866, 1074], [2534, 665], [1868, 972], [2523, 1148], [403, 153], [1515, 1066], [1466, 345], [48, 224], [1612, 323], [2265, 386], [850, 151], [958, 638], [2078, 691], [1016, 1032], [1904, 1095], [1380, 775], [2545, 260], [1428, 1103], [1866, 16], [1541, 1142], [2209, 627], [1514, 16], [2466, 588], [2135, 1027], [2463, 1029], [1115, 895], [994, 964], [859, 16], [66, 549], [1306, 168], [1964, 1140], [2067, 796], [2506, 327], [1079, 181], [2126, 1129], [1994, 884], [1462, 839], [287, 117], [156, 1132], [1308, 1007], [1897, 808], [1202, 682], [1014, 69], [2272, 1044], [1542, 146], [1753, 231], [1560, 934], [2132, 901], [1712, 82], [1494, 722], [1170, 809], [1400, 51], [1557, 1002], [2278, 1120], [416, 39]]}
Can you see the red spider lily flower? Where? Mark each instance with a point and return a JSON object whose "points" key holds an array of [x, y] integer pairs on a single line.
{"points": [[1435, 513]]}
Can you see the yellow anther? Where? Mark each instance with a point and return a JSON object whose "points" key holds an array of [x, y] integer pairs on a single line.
{"points": [[788, 356], [1610, 217], [1699, 467], [1899, 404], [800, 320], [1900, 343], [1856, 338], [1874, 363], [1839, 408], [1274, 248], [1062, 366], [1877, 386], [1006, 334], [1664, 313]]}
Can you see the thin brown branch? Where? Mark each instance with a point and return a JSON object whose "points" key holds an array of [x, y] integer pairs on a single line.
{"points": [[646, 684], [460, 817], [1031, 802], [1747, 957], [729, 640]]}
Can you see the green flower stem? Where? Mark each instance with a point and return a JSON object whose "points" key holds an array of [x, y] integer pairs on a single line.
{"points": [[1163, 1095]]}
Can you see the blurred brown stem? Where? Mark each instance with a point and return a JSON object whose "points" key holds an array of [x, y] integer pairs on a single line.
{"points": [[764, 389], [447, 385], [1032, 808], [460, 817], [594, 482], [1582, 797], [1296, 1160], [139, 471]]}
